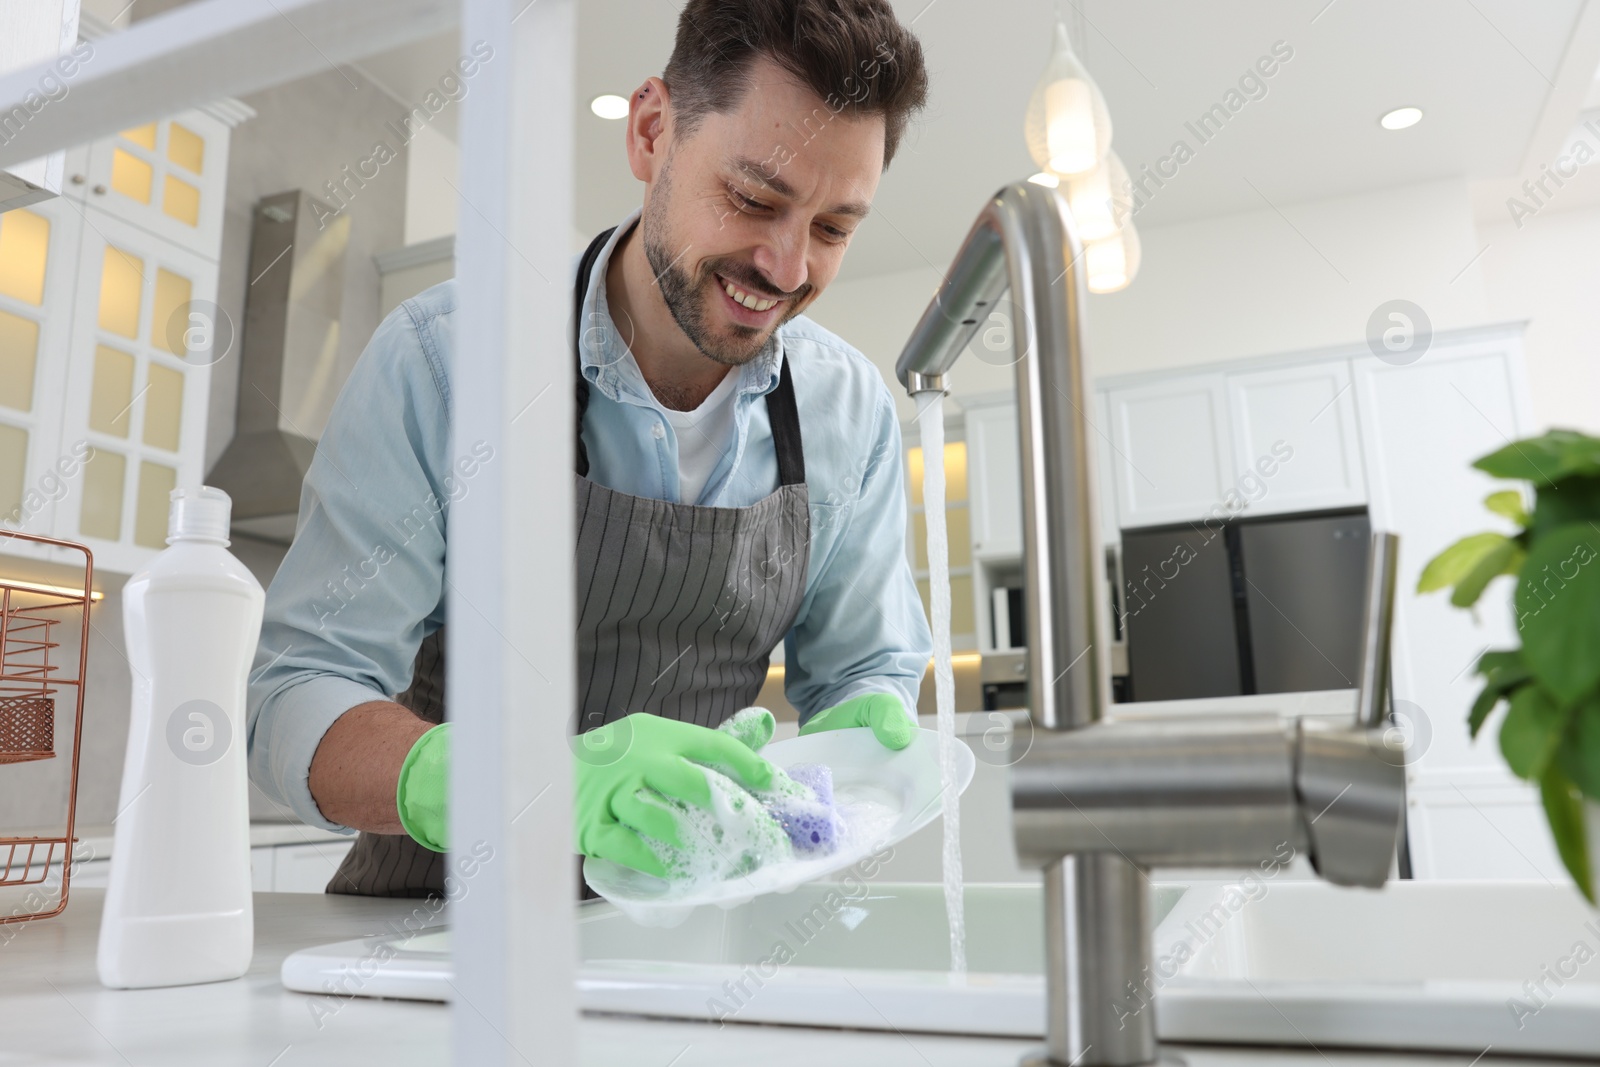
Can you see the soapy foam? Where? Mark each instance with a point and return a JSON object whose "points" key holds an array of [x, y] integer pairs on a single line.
{"points": [[734, 836], [749, 836]]}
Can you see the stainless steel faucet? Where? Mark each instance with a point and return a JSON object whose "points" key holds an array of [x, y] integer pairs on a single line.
{"points": [[1097, 802]]}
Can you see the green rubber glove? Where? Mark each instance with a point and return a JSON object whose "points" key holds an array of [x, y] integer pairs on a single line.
{"points": [[882, 711], [623, 770], [424, 788], [752, 726]]}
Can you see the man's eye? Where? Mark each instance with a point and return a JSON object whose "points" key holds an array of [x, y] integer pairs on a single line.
{"points": [[744, 203], [833, 233]]}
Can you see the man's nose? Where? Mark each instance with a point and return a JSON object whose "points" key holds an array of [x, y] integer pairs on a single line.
{"points": [[782, 257]]}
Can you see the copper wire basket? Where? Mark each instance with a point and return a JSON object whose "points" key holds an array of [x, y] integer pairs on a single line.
{"points": [[31, 683]]}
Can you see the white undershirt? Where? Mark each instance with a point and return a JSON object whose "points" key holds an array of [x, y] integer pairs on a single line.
{"points": [[704, 436]]}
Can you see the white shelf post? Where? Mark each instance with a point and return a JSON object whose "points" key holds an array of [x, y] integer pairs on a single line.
{"points": [[510, 638]]}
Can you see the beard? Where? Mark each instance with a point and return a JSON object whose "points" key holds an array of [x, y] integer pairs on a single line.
{"points": [[689, 296]]}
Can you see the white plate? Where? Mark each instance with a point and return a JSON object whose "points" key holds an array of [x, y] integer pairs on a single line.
{"points": [[864, 773]]}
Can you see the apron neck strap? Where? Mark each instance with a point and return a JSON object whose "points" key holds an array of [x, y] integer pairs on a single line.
{"points": [[579, 292], [782, 412]]}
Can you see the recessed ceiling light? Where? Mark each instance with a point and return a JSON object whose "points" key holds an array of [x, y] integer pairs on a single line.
{"points": [[1400, 118], [610, 106], [1046, 179]]}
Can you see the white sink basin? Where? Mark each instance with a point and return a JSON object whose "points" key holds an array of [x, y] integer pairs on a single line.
{"points": [[1446, 966], [1418, 965], [821, 956]]}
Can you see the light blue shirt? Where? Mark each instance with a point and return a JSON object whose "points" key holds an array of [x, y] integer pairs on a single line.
{"points": [[363, 583]]}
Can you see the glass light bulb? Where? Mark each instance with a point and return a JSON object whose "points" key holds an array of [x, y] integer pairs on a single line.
{"points": [[1099, 199], [1112, 262], [1067, 127]]}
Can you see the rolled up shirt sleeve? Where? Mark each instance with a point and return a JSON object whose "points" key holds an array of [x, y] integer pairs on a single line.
{"points": [[362, 584], [861, 628]]}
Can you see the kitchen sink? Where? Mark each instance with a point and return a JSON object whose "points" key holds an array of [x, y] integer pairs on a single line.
{"points": [[824, 955], [1444, 966]]}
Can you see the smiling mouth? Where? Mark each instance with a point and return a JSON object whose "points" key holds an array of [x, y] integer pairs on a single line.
{"points": [[745, 298]]}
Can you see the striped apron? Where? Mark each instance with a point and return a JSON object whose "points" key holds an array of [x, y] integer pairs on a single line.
{"points": [[679, 608]]}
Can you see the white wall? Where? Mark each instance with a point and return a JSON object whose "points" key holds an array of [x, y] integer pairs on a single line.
{"points": [[1257, 283], [1549, 273], [1302, 276], [431, 166], [1250, 284]]}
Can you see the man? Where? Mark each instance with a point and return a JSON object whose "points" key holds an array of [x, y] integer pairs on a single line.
{"points": [[739, 474]]}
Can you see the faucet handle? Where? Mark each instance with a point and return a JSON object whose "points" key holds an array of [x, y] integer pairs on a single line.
{"points": [[1377, 626]]}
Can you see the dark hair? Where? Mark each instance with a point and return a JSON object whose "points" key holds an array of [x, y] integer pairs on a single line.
{"points": [[854, 54]]}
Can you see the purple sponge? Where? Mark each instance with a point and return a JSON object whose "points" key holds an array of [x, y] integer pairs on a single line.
{"points": [[805, 808]]}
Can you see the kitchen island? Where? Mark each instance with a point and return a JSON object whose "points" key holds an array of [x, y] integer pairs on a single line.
{"points": [[54, 1011]]}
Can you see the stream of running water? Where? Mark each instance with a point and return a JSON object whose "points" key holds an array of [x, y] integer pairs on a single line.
{"points": [[944, 686]]}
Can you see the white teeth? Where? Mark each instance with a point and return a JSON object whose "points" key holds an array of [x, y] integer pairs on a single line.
{"points": [[740, 296]]}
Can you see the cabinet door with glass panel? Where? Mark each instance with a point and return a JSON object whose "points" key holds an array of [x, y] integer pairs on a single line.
{"points": [[38, 269], [166, 177], [132, 392]]}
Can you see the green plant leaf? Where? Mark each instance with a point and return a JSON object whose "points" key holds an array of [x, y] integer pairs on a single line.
{"points": [[1546, 459], [1575, 499], [1532, 731], [1508, 502], [1563, 807], [1558, 611], [1499, 659], [1501, 559], [1579, 755], [1457, 561], [1503, 671], [1482, 706]]}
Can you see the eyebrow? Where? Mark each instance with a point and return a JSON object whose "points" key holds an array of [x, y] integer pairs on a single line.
{"points": [[756, 172]]}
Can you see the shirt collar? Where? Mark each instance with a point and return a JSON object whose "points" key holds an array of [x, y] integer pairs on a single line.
{"points": [[605, 359]]}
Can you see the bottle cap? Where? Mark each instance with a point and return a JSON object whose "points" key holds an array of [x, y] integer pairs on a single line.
{"points": [[199, 515]]}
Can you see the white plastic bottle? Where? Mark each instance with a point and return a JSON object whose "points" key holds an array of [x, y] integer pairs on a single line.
{"points": [[178, 908]]}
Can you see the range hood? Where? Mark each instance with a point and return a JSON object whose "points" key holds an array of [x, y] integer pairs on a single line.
{"points": [[287, 353]]}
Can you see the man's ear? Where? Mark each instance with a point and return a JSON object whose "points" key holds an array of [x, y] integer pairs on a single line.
{"points": [[647, 137]]}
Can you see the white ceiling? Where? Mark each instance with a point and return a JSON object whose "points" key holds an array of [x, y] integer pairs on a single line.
{"points": [[1494, 77]]}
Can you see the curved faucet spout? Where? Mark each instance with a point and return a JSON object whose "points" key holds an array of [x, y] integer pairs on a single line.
{"points": [[1023, 243]]}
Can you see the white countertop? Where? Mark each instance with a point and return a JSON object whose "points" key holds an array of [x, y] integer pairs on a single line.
{"points": [[55, 1011]]}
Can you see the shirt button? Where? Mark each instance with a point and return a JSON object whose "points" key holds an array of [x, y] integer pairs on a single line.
{"points": [[658, 431]]}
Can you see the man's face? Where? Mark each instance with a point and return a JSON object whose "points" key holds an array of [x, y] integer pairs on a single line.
{"points": [[746, 221]]}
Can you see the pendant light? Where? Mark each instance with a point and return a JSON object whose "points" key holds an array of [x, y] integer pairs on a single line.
{"points": [[1067, 126], [1111, 262], [1099, 199]]}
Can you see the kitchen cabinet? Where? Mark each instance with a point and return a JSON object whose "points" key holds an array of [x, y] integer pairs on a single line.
{"points": [[994, 463], [1422, 425], [38, 266], [131, 392], [995, 481], [168, 178], [31, 33], [1105, 468], [291, 868], [1172, 449], [1307, 413], [107, 337], [957, 513], [994, 486], [306, 868]]}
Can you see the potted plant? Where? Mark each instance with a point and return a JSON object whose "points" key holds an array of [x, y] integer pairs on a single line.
{"points": [[1551, 731]]}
